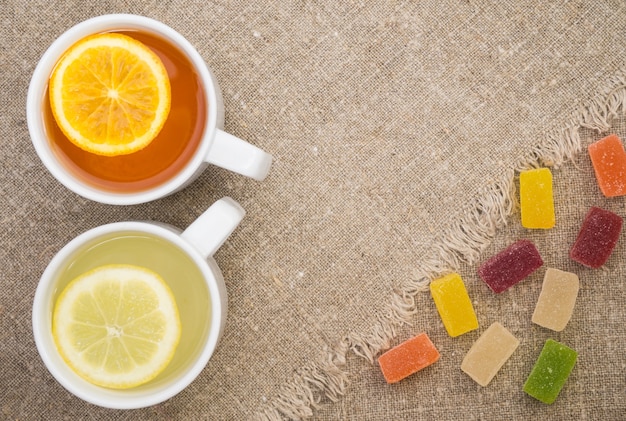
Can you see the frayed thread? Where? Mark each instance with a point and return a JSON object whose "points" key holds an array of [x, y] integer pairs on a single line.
{"points": [[297, 399], [462, 242]]}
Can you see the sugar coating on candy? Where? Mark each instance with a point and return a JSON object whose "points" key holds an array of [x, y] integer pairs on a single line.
{"points": [[536, 201], [510, 266], [609, 164], [555, 305], [550, 372], [407, 358], [489, 353], [453, 304], [597, 238]]}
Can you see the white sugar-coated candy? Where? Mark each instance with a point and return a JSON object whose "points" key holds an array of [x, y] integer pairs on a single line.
{"points": [[555, 305], [489, 353]]}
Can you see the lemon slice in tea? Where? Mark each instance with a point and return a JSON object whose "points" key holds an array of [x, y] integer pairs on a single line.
{"points": [[110, 94], [117, 326]]}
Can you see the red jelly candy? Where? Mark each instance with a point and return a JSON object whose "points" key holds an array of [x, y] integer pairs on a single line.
{"points": [[510, 266], [597, 238]]}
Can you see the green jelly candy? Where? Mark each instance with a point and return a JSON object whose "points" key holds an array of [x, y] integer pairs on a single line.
{"points": [[550, 372]]}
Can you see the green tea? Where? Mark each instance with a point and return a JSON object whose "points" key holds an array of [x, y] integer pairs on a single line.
{"points": [[177, 269]]}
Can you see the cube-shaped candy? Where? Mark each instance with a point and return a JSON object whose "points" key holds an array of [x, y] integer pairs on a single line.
{"points": [[510, 266], [407, 358], [557, 298], [609, 163], [536, 201], [597, 238], [489, 353], [453, 304], [550, 372]]}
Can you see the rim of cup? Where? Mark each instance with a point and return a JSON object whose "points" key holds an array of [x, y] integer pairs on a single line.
{"points": [[39, 84], [144, 395]]}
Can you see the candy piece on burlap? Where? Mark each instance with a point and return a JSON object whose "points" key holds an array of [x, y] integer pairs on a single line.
{"points": [[510, 266], [597, 238], [407, 358], [551, 371], [454, 304], [609, 164], [536, 198], [489, 353], [555, 305]]}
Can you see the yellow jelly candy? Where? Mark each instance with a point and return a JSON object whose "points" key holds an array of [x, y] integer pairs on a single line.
{"points": [[536, 198], [453, 304]]}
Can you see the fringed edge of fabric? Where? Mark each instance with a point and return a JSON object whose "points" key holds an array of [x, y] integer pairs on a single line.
{"points": [[462, 242]]}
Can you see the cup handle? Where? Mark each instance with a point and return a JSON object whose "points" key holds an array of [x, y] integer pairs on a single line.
{"points": [[239, 156], [214, 226]]}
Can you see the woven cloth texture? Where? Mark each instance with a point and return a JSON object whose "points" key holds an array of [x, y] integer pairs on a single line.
{"points": [[389, 122]]}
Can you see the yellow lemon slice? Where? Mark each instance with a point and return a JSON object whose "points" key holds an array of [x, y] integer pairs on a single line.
{"points": [[110, 94], [117, 326]]}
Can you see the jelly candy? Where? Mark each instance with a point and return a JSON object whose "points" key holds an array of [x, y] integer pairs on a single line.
{"points": [[551, 371], [407, 358], [489, 353], [597, 238], [510, 266], [609, 163], [536, 202], [556, 301], [453, 304]]}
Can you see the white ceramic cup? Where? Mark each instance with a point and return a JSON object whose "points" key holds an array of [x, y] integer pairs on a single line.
{"points": [[198, 242], [216, 147]]}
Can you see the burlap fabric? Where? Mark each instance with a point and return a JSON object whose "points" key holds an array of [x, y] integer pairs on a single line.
{"points": [[397, 130]]}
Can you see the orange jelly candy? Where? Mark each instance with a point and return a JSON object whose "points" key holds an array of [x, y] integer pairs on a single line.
{"points": [[407, 358], [609, 163]]}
